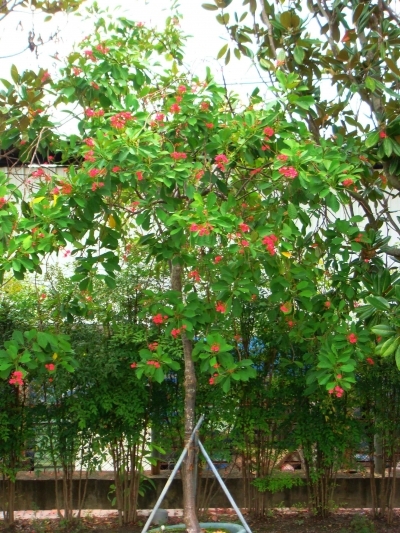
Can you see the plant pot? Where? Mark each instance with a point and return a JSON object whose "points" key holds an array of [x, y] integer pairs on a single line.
{"points": [[232, 528]]}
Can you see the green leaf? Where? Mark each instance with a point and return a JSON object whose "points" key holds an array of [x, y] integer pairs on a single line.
{"points": [[382, 330], [372, 139], [222, 51], [299, 54], [209, 7], [379, 303], [14, 74]]}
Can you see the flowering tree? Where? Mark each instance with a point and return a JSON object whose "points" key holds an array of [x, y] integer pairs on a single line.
{"points": [[238, 202]]}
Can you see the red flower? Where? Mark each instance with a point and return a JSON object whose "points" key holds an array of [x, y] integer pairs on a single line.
{"points": [[175, 108], [89, 156], [220, 307], [55, 191], [209, 125], [178, 155], [284, 308], [3, 201], [16, 378], [268, 132], [327, 304], [139, 175], [119, 120], [102, 49], [347, 182], [153, 346], [282, 157], [370, 361], [215, 347], [204, 106], [159, 117], [194, 275], [382, 135], [244, 227], [199, 174], [181, 89], [270, 241], [89, 55], [159, 319], [133, 365], [175, 332], [290, 323], [156, 364], [116, 169], [194, 227], [76, 71], [93, 172], [50, 367], [45, 77], [94, 85], [220, 161], [217, 259], [89, 141], [66, 188], [288, 172], [352, 338]]}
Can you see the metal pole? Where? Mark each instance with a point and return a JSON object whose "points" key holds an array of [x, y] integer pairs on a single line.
{"points": [[173, 474], [224, 487]]}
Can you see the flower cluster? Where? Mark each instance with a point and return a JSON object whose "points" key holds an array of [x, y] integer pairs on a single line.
{"points": [[50, 367], [3, 201], [92, 113], [370, 361], [159, 117], [45, 77], [102, 49], [16, 378], [98, 185], [89, 156], [194, 274], [159, 319], [220, 161], [203, 229], [133, 365], [282, 157], [175, 108], [119, 120], [156, 364], [244, 227], [270, 242], [93, 172], [352, 338], [288, 172], [153, 346], [337, 391], [89, 141], [347, 182], [215, 347], [217, 259], [220, 307], [177, 331], [268, 132], [89, 55], [178, 155]]}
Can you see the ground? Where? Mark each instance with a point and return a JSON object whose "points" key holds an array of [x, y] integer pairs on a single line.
{"points": [[278, 521]]}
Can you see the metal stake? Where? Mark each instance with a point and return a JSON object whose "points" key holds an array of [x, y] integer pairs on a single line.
{"points": [[224, 487], [173, 474]]}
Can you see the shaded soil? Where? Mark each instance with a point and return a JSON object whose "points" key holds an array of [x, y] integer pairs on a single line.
{"points": [[278, 521]]}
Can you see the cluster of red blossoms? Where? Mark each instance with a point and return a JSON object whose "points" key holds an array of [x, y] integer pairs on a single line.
{"points": [[352, 338], [16, 378], [178, 155], [40, 173], [270, 241], [177, 331], [203, 229], [220, 307], [156, 364], [92, 113], [119, 120], [211, 381], [347, 182], [337, 391], [221, 161], [153, 346], [159, 319], [288, 172], [3, 201], [50, 367], [175, 108], [194, 274], [215, 347]]}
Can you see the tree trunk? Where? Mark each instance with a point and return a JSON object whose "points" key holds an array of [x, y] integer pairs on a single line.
{"points": [[189, 465]]}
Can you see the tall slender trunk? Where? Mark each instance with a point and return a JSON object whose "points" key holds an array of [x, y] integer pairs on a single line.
{"points": [[189, 465]]}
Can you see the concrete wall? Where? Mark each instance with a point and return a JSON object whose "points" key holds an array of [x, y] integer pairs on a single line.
{"points": [[39, 494]]}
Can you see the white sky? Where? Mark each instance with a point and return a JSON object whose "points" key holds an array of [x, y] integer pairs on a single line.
{"points": [[207, 38]]}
